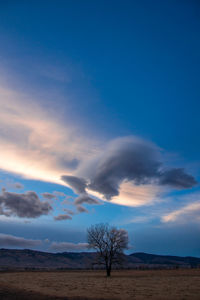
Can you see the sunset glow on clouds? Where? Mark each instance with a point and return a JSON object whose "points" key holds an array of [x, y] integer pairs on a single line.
{"points": [[137, 195], [99, 122], [188, 213], [34, 144]]}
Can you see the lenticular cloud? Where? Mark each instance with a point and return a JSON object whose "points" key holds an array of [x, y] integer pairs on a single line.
{"points": [[127, 159]]}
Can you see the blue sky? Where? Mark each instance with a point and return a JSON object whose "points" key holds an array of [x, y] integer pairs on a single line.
{"points": [[99, 122]]}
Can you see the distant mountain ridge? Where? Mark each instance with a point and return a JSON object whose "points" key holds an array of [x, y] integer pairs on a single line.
{"points": [[30, 259]]}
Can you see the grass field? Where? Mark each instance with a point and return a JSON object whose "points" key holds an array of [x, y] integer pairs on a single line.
{"points": [[137, 284]]}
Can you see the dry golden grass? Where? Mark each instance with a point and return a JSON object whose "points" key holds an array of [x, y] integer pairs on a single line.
{"points": [[133, 284]]}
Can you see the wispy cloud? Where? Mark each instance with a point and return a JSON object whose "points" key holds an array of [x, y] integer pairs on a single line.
{"points": [[189, 213], [69, 211], [84, 198], [62, 217], [49, 196], [81, 209], [36, 144], [7, 240], [9, 184], [141, 219], [138, 195], [67, 246]]}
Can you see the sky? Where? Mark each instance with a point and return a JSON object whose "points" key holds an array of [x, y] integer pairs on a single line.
{"points": [[99, 123]]}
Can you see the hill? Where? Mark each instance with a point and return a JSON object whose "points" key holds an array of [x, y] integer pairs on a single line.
{"points": [[30, 259]]}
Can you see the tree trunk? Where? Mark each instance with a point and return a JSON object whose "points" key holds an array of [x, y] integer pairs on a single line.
{"points": [[108, 270]]}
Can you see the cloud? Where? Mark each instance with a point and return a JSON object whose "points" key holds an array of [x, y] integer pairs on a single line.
{"points": [[62, 217], [84, 198], [141, 219], [49, 196], [77, 184], [59, 194], [66, 201], [177, 178], [128, 159], [39, 144], [137, 195], [26, 205], [18, 185], [9, 184], [132, 163], [69, 211], [81, 209], [7, 240], [189, 213], [66, 246], [35, 142]]}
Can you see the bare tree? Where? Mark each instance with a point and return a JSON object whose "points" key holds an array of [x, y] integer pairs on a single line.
{"points": [[109, 243]]}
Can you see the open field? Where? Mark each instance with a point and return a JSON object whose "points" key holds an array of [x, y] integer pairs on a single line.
{"points": [[130, 284]]}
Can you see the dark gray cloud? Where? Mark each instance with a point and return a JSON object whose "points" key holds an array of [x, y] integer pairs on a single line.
{"points": [[49, 196], [62, 217], [66, 246], [76, 183], [81, 209], [126, 159], [26, 205], [7, 240], [177, 178], [84, 198]]}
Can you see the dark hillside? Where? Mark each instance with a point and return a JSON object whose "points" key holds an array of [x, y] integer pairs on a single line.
{"points": [[30, 259]]}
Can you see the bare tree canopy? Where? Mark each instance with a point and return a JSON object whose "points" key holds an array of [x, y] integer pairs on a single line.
{"points": [[109, 243]]}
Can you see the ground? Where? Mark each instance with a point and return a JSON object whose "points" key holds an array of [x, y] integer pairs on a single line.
{"points": [[124, 285]]}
